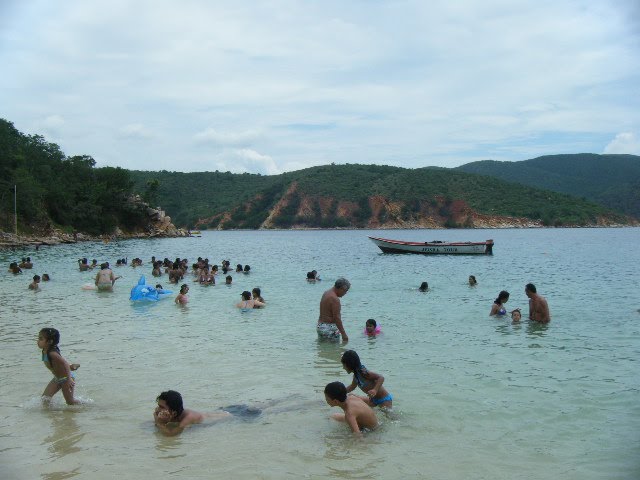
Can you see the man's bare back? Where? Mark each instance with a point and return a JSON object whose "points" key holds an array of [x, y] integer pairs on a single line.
{"points": [[538, 306]]}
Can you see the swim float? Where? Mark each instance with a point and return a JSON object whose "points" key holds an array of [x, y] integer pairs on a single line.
{"points": [[142, 292], [377, 331]]}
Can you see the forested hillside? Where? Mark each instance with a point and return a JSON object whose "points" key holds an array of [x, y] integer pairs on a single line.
{"points": [[70, 193], [54, 190], [610, 180], [359, 196]]}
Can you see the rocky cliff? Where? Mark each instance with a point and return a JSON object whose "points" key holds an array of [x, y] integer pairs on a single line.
{"points": [[156, 224]]}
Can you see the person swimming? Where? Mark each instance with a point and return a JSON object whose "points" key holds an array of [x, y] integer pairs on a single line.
{"points": [[497, 309]]}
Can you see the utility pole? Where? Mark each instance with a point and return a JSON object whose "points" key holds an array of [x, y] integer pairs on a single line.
{"points": [[15, 208]]}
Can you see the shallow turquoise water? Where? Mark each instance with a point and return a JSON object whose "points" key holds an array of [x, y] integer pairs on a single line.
{"points": [[475, 397]]}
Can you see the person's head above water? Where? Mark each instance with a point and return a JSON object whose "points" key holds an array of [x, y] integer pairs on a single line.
{"points": [[351, 361], [184, 288], [516, 316], [371, 327], [472, 280], [335, 391], [342, 286], [424, 286], [173, 401], [246, 295], [503, 296]]}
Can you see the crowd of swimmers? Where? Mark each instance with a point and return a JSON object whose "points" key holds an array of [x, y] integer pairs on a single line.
{"points": [[171, 417], [27, 264]]}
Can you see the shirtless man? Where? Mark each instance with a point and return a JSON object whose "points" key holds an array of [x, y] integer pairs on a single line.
{"points": [[330, 320], [172, 418], [538, 307], [357, 414], [105, 278]]}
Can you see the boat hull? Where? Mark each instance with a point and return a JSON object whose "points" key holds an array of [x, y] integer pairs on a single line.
{"points": [[434, 248]]}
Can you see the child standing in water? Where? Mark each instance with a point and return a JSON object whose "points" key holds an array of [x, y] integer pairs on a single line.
{"points": [[63, 378], [369, 382]]}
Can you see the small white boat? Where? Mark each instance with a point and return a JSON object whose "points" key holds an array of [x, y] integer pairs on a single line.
{"points": [[434, 247]]}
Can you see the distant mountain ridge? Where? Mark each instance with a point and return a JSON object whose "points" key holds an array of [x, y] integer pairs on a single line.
{"points": [[362, 196], [610, 180]]}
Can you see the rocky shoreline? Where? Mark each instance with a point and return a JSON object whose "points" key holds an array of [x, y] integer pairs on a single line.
{"points": [[158, 226]]}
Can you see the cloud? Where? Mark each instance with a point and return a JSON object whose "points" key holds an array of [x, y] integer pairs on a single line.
{"points": [[254, 162], [431, 83], [52, 125], [136, 130], [626, 142], [211, 136]]}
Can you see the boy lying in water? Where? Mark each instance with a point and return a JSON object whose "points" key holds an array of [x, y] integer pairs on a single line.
{"points": [[172, 418]]}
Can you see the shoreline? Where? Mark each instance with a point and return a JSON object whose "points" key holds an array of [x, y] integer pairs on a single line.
{"points": [[10, 240]]}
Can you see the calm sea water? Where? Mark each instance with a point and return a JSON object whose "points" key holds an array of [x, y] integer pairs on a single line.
{"points": [[475, 397]]}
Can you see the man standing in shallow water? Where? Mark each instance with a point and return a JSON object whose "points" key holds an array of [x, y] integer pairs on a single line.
{"points": [[330, 320], [538, 307]]}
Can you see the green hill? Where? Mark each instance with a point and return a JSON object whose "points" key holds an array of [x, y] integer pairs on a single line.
{"points": [[54, 190], [358, 196], [610, 180]]}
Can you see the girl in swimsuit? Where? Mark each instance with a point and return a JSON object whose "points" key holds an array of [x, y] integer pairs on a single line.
{"points": [[368, 381], [63, 378], [497, 309]]}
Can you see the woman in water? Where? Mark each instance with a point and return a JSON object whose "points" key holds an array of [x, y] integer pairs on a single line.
{"points": [[105, 278], [63, 378], [369, 382], [181, 298], [497, 309], [247, 302]]}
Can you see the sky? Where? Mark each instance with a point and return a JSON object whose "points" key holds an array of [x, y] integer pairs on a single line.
{"points": [[267, 86]]}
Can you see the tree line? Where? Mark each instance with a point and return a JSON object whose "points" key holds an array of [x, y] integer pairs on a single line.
{"points": [[57, 191]]}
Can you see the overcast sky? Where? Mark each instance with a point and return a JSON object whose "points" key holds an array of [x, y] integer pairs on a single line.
{"points": [[273, 86]]}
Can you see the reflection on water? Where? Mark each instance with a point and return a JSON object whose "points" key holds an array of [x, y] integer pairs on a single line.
{"points": [[65, 434], [62, 475], [328, 356]]}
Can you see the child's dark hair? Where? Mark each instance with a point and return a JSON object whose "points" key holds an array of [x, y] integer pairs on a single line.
{"points": [[351, 360], [371, 322], [336, 391], [53, 338], [183, 288], [424, 286], [173, 400]]}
